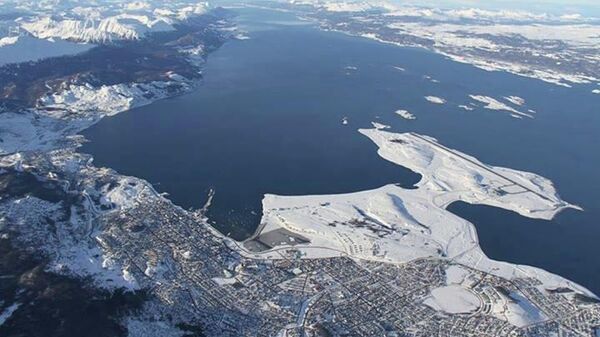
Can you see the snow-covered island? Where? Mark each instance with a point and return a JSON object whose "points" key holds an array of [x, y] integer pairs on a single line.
{"points": [[405, 114], [435, 100], [516, 100], [494, 104]]}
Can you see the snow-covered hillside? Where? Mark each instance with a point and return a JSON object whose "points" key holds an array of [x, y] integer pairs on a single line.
{"points": [[87, 23], [557, 48]]}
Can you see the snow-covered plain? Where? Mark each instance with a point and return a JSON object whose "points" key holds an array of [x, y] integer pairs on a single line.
{"points": [[516, 310], [453, 299]]}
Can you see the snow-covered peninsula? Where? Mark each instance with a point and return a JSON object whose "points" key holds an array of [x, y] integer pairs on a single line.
{"points": [[398, 225]]}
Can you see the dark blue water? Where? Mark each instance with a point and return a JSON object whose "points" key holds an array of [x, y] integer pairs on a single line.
{"points": [[268, 120]]}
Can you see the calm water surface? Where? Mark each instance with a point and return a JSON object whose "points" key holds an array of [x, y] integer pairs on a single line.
{"points": [[268, 119]]}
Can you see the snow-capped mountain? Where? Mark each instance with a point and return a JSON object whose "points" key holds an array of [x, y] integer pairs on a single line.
{"points": [[89, 30], [432, 13], [94, 23], [346, 6]]}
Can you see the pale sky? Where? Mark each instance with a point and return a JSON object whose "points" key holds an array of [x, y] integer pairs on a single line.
{"points": [[558, 7]]}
